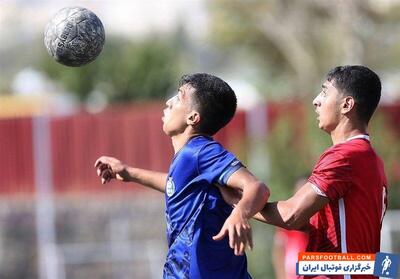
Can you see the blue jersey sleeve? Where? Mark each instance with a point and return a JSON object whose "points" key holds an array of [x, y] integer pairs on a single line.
{"points": [[216, 164]]}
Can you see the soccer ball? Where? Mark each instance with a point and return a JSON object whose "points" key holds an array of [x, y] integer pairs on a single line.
{"points": [[74, 36]]}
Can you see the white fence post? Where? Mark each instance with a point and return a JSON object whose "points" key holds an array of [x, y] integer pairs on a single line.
{"points": [[44, 205]]}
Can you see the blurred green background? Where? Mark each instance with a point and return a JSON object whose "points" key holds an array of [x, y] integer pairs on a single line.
{"points": [[273, 51]]}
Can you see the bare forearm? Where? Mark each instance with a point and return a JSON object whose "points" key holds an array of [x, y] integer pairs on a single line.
{"points": [[295, 212], [270, 214], [283, 214], [152, 179]]}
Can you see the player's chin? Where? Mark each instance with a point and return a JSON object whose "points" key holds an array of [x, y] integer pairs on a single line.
{"points": [[325, 128], [165, 129], [319, 123], [322, 127]]}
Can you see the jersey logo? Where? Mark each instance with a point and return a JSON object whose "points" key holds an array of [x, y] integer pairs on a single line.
{"points": [[170, 188]]}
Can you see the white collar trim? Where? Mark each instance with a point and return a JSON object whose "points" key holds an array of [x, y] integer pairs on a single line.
{"points": [[366, 137]]}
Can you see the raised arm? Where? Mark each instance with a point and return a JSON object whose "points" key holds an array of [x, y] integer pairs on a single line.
{"points": [[111, 168], [254, 196]]}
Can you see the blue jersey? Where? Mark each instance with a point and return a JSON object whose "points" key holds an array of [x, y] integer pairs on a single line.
{"points": [[196, 211]]}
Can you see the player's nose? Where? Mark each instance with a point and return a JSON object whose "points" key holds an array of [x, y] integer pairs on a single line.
{"points": [[169, 102], [316, 102]]}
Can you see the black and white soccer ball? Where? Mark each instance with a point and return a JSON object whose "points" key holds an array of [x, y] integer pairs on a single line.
{"points": [[74, 36]]}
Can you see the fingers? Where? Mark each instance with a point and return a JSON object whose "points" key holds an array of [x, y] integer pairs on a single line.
{"points": [[222, 233], [101, 168], [240, 237], [98, 162], [104, 170], [232, 238], [250, 238], [106, 176], [239, 249], [100, 165], [239, 240], [103, 160]]}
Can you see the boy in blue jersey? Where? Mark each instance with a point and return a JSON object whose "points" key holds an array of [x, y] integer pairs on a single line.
{"points": [[206, 238]]}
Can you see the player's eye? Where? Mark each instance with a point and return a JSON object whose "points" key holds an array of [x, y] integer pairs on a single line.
{"points": [[178, 96]]}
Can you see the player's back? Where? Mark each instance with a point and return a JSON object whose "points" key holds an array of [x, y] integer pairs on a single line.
{"points": [[365, 203]]}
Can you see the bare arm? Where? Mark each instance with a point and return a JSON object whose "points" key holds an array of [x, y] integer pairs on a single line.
{"points": [[295, 212], [292, 214], [111, 168], [254, 192], [254, 196]]}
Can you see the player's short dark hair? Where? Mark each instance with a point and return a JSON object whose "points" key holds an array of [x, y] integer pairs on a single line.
{"points": [[362, 84], [213, 98]]}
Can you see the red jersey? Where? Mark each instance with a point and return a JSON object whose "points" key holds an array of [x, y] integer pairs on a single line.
{"points": [[352, 176]]}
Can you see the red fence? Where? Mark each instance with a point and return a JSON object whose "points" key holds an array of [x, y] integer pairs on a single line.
{"points": [[16, 155], [133, 134]]}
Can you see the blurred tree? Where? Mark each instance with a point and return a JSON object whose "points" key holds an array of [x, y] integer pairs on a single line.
{"points": [[292, 148], [124, 71], [386, 141], [296, 41], [288, 158]]}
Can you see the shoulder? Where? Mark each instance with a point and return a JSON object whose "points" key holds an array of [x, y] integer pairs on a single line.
{"points": [[336, 153], [347, 150], [213, 158], [202, 148], [347, 153], [207, 146], [194, 146]]}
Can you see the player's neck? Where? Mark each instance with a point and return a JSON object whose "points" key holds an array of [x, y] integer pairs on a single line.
{"points": [[179, 140], [347, 130]]}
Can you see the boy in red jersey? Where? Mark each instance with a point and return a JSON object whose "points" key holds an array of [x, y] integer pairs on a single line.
{"points": [[344, 200]]}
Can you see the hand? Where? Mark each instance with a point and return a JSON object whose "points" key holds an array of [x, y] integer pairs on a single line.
{"points": [[231, 196], [109, 168], [237, 227]]}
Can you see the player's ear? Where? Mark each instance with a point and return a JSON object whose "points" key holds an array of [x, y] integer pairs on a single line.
{"points": [[193, 118], [347, 104]]}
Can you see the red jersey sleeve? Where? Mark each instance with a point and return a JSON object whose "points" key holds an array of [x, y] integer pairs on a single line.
{"points": [[332, 174]]}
